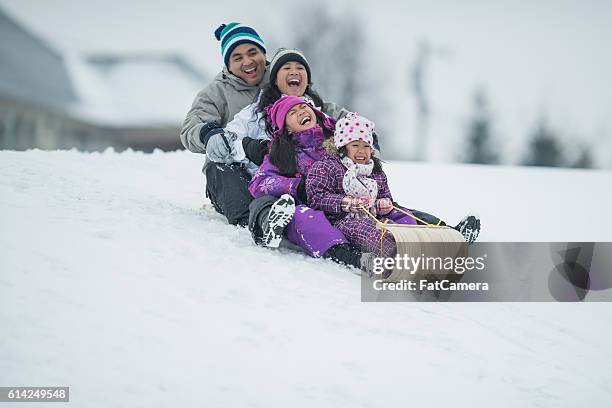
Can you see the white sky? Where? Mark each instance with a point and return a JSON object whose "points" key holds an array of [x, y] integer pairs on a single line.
{"points": [[532, 57]]}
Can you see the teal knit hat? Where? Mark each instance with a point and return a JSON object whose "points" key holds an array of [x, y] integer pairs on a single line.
{"points": [[234, 34]]}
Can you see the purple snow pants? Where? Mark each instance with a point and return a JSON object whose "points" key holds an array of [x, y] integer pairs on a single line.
{"points": [[363, 233], [313, 232]]}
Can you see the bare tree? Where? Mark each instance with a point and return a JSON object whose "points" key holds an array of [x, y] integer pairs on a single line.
{"points": [[334, 47], [418, 71], [418, 75]]}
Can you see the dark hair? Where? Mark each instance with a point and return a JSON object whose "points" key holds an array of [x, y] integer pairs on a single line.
{"points": [[377, 162], [271, 93], [283, 152]]}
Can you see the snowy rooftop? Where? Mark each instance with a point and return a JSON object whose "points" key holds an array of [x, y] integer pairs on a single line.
{"points": [[134, 89], [118, 89]]}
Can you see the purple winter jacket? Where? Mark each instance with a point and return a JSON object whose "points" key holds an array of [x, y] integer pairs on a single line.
{"points": [[268, 180], [324, 187]]}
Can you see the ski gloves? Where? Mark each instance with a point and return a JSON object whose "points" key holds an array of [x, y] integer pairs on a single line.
{"points": [[220, 147], [354, 205], [255, 149], [383, 206]]}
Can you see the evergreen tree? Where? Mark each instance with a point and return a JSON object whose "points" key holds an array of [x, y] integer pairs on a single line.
{"points": [[584, 160], [544, 148], [480, 146]]}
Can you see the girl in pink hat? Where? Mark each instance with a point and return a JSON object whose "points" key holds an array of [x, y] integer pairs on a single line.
{"points": [[351, 188]]}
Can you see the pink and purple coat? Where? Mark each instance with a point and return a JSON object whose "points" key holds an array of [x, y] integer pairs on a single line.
{"points": [[309, 229], [325, 192]]}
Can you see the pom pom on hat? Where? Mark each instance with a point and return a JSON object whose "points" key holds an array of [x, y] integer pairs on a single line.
{"points": [[218, 31], [232, 35]]}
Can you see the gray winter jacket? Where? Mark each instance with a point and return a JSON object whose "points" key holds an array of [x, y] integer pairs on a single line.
{"points": [[216, 105]]}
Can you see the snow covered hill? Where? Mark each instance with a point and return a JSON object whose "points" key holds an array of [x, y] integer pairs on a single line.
{"points": [[115, 282]]}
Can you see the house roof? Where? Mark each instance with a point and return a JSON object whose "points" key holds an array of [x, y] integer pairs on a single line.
{"points": [[134, 89], [30, 69]]}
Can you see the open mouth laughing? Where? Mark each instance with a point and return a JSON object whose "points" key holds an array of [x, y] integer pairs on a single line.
{"points": [[251, 71], [294, 82], [305, 120]]}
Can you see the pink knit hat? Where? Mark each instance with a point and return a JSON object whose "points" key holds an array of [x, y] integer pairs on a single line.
{"points": [[353, 127], [277, 112]]}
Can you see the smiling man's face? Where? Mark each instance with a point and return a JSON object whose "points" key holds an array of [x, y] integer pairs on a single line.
{"points": [[248, 62]]}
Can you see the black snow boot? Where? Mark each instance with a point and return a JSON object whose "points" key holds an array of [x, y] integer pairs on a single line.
{"points": [[347, 254], [469, 227], [273, 223]]}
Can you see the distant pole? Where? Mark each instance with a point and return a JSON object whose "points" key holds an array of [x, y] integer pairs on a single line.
{"points": [[418, 78]]}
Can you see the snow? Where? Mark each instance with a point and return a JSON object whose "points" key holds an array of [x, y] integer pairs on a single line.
{"points": [[115, 282]]}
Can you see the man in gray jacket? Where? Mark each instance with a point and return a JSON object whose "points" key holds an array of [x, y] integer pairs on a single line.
{"points": [[235, 87]]}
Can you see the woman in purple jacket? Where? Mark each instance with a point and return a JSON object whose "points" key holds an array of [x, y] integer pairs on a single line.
{"points": [[299, 130]]}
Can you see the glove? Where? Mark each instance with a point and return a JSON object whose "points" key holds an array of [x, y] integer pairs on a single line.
{"points": [[383, 206], [349, 204], [355, 205], [255, 149], [301, 191], [220, 147], [368, 202], [209, 129]]}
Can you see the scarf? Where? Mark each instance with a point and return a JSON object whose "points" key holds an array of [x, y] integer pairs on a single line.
{"points": [[357, 183], [309, 148]]}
